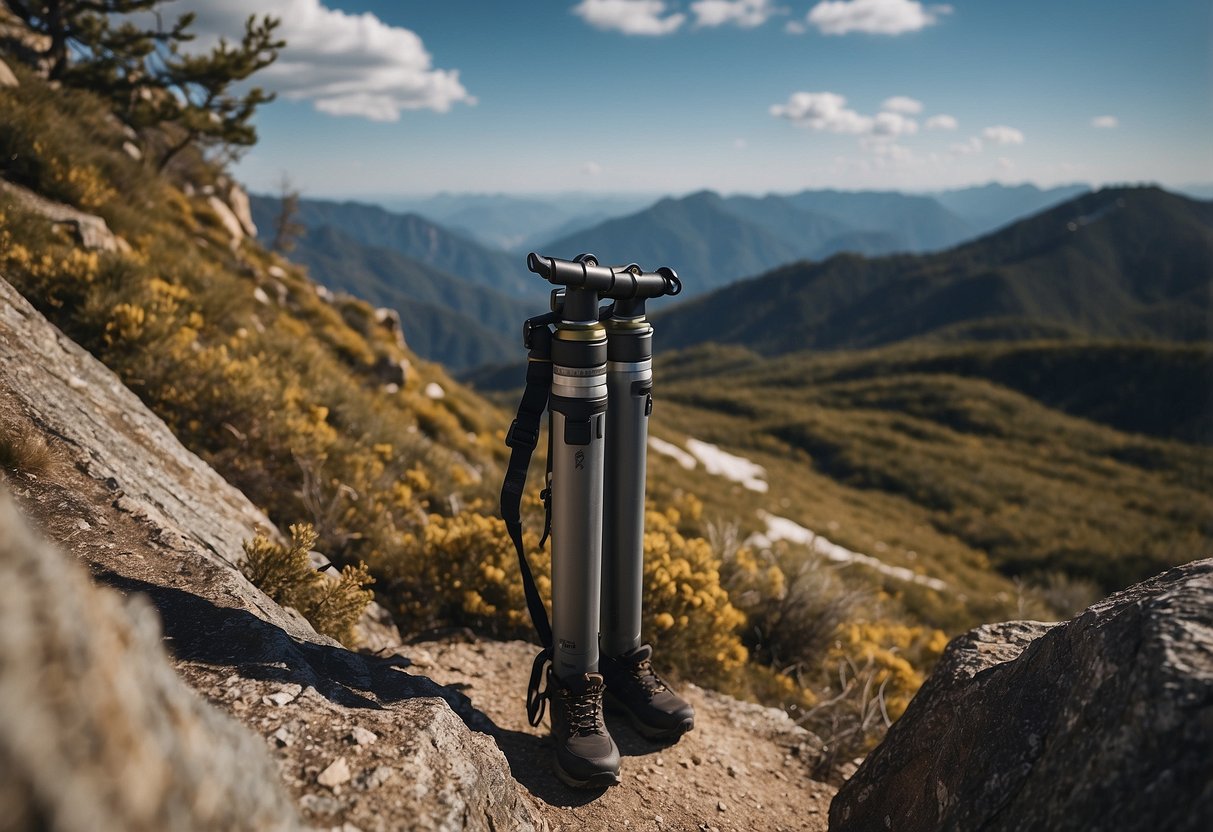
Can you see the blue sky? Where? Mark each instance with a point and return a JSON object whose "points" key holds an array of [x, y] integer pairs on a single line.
{"points": [[405, 98]]}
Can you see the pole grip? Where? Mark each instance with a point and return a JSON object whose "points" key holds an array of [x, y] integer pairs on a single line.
{"points": [[628, 282]]}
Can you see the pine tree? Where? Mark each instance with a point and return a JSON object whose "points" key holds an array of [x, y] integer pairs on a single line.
{"points": [[82, 38], [151, 82], [203, 110]]}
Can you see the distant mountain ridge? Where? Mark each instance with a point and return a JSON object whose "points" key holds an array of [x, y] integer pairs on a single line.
{"points": [[713, 240], [705, 242], [460, 303], [459, 299], [411, 235], [993, 205], [1121, 263], [445, 318]]}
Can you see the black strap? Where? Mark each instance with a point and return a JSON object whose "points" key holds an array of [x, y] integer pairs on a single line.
{"points": [[522, 438]]}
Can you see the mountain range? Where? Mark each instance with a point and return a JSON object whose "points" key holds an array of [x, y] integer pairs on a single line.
{"points": [[462, 301], [446, 318], [411, 235], [459, 303], [1119, 263], [713, 240]]}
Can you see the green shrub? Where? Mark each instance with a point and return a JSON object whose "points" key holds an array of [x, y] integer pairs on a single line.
{"points": [[286, 574]]}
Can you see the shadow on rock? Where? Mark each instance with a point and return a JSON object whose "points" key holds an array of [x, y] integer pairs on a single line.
{"points": [[198, 630]]}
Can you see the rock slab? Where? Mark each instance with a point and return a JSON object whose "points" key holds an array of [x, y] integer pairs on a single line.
{"points": [[1104, 722], [97, 730]]}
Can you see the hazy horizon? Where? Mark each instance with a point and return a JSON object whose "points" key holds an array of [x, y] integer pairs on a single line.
{"points": [[1198, 190]]}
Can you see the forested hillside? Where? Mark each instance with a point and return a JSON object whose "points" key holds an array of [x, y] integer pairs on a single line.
{"points": [[1120, 263]]}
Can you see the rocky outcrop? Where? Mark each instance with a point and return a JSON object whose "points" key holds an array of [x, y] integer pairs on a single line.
{"points": [[228, 219], [1104, 722], [90, 231], [238, 201], [149, 518], [97, 730]]}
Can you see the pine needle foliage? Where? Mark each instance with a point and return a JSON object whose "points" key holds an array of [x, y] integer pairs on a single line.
{"points": [[286, 574]]}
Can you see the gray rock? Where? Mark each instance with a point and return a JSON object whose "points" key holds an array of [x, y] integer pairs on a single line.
{"points": [[7, 78], [228, 219], [389, 319], [1104, 722], [180, 528], [361, 736], [237, 200], [336, 774], [389, 371], [90, 231], [97, 730]]}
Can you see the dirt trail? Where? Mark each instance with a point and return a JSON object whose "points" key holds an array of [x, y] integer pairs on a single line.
{"points": [[744, 767]]}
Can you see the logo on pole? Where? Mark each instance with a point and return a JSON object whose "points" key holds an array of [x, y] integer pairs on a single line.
{"points": [[579, 460]]}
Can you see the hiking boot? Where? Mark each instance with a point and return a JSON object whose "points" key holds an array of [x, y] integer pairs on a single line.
{"points": [[586, 756], [656, 711]]}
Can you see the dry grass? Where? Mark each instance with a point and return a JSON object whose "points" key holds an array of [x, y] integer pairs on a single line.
{"points": [[24, 452]]}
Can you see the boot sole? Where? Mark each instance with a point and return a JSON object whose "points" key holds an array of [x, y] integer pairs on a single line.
{"points": [[601, 780], [649, 732]]}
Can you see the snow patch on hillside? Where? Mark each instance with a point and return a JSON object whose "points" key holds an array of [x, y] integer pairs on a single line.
{"points": [[671, 450], [727, 465], [781, 528], [715, 461]]}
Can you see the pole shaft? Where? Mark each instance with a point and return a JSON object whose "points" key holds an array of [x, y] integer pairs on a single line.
{"points": [[629, 392], [578, 425]]}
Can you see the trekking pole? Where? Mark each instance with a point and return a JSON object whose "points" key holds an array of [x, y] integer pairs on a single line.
{"points": [[568, 374], [629, 404], [578, 430]]}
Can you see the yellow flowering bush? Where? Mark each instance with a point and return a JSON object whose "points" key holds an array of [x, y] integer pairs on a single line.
{"points": [[896, 654], [687, 613], [286, 574], [463, 571]]}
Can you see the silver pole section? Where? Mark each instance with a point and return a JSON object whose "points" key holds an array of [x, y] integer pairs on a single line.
{"points": [[630, 401], [578, 427]]}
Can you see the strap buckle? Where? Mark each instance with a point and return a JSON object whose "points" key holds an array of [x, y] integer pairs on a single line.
{"points": [[519, 436], [538, 693]]}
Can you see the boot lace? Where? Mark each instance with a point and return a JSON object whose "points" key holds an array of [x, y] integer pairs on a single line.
{"points": [[583, 710], [646, 677]]}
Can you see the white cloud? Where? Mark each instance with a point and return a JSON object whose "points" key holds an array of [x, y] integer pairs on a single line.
{"points": [[744, 13], [795, 27], [1105, 122], [345, 64], [902, 104], [591, 168], [970, 147], [740, 144], [1005, 164], [874, 17], [1001, 134], [887, 149], [941, 122], [632, 17], [893, 124], [826, 111]]}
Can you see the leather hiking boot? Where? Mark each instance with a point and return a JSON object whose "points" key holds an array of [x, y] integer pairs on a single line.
{"points": [[656, 711], [586, 756]]}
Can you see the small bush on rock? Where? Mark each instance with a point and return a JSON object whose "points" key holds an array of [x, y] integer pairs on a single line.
{"points": [[286, 574]]}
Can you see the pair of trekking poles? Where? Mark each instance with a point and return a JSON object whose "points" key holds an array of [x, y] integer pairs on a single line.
{"points": [[590, 367]]}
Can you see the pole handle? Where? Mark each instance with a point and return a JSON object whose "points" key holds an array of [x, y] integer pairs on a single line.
{"points": [[627, 282]]}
